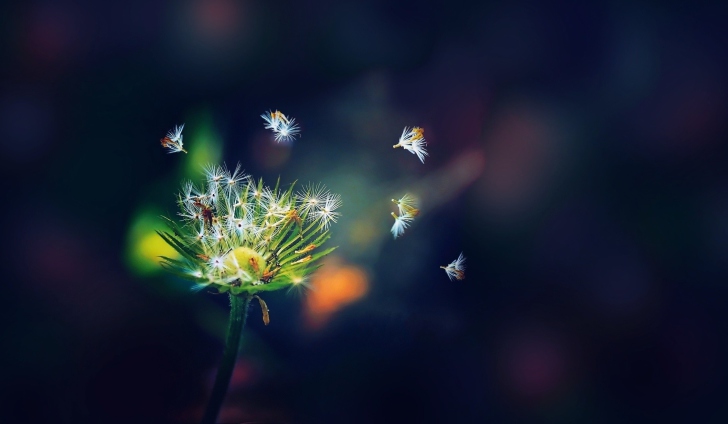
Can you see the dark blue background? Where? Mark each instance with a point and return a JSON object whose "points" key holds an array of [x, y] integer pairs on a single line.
{"points": [[596, 227]]}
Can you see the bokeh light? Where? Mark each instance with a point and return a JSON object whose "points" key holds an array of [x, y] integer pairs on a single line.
{"points": [[336, 285]]}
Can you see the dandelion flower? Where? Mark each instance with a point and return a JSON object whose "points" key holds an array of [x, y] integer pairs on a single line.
{"points": [[242, 237], [401, 222], [413, 140], [407, 205], [456, 269], [173, 140]]}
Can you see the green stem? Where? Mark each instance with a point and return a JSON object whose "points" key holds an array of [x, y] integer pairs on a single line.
{"points": [[238, 314]]}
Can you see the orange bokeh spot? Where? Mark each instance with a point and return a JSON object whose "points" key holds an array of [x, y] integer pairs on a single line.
{"points": [[334, 286]]}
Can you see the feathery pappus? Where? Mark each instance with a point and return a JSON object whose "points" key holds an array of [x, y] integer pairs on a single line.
{"points": [[456, 268], [285, 129], [173, 140], [407, 208], [413, 140], [407, 205]]}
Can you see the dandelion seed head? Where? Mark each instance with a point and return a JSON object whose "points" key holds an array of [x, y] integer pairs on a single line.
{"points": [[230, 220]]}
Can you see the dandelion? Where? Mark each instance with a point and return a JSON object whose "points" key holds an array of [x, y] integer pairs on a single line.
{"points": [[401, 222], [173, 140], [240, 237], [223, 230], [285, 129], [456, 269], [231, 180], [414, 142], [217, 262], [407, 205]]}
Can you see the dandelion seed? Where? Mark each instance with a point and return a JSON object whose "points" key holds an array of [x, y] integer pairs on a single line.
{"points": [[173, 140], [274, 207], [217, 263], [190, 212], [218, 234], [231, 181], [311, 198], [241, 204], [287, 131], [326, 214], [242, 227], [401, 222], [200, 235], [407, 205], [456, 268], [254, 193], [414, 142], [189, 192], [284, 129], [273, 119]]}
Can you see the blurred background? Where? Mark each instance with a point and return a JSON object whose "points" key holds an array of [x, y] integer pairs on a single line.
{"points": [[577, 159]]}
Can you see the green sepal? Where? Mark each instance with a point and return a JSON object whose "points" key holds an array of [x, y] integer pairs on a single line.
{"points": [[179, 246], [176, 270], [176, 229], [290, 252]]}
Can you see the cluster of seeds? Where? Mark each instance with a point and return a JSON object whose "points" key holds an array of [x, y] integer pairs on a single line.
{"points": [[240, 235], [407, 208]]}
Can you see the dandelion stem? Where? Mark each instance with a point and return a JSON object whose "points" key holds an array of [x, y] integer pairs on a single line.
{"points": [[238, 315]]}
